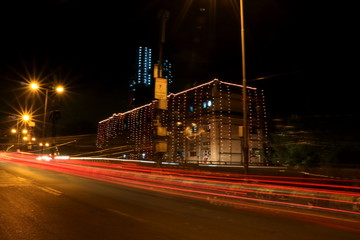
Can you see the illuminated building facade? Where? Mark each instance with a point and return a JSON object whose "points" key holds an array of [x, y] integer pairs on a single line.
{"points": [[202, 126]]}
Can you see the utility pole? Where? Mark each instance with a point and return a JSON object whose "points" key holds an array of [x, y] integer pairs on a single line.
{"points": [[246, 139], [160, 92], [164, 16], [43, 132], [18, 135]]}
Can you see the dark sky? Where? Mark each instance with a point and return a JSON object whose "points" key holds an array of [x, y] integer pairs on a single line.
{"points": [[304, 49]]}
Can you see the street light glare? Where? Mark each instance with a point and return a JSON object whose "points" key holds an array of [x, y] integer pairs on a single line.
{"points": [[34, 85], [26, 117], [59, 89]]}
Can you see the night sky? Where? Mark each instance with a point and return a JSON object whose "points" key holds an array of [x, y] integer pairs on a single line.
{"points": [[303, 50]]}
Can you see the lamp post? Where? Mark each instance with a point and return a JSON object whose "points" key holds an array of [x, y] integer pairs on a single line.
{"points": [[44, 120], [245, 128], [24, 118], [160, 93], [246, 139], [58, 89], [18, 134]]}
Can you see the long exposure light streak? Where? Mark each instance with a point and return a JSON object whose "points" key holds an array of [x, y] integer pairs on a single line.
{"points": [[223, 177], [220, 187], [230, 176]]}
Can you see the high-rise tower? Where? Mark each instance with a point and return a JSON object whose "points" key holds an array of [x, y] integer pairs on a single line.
{"points": [[140, 86], [167, 71]]}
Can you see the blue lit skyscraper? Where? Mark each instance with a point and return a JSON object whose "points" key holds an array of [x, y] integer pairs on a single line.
{"points": [[141, 86], [144, 65], [166, 72]]}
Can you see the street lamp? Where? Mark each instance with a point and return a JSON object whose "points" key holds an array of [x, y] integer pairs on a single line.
{"points": [[24, 118], [58, 89], [245, 128], [246, 139]]}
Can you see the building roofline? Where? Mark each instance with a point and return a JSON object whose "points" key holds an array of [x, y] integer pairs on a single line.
{"points": [[175, 94]]}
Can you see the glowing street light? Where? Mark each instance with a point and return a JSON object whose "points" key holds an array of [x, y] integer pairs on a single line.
{"points": [[35, 86], [25, 117], [59, 89]]}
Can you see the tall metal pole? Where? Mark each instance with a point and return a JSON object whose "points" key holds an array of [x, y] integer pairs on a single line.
{"points": [[164, 16], [245, 107], [18, 134], [162, 103], [44, 121]]}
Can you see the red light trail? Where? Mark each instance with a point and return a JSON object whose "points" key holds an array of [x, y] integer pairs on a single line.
{"points": [[335, 195]]}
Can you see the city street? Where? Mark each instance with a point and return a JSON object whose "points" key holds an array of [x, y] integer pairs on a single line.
{"points": [[179, 120], [42, 204]]}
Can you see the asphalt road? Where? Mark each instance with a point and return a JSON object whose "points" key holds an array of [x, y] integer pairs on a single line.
{"points": [[37, 204]]}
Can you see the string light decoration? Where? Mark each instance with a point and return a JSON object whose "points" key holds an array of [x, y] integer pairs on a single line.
{"points": [[198, 125], [229, 125], [220, 127], [201, 126], [252, 130], [172, 127], [182, 150], [213, 132]]}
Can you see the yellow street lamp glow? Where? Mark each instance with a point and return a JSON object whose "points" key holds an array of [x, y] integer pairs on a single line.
{"points": [[40, 144], [47, 144], [25, 131], [13, 130], [33, 139], [25, 138], [59, 89], [26, 117], [34, 86]]}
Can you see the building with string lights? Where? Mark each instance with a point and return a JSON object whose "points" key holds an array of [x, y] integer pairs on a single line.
{"points": [[200, 125]]}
